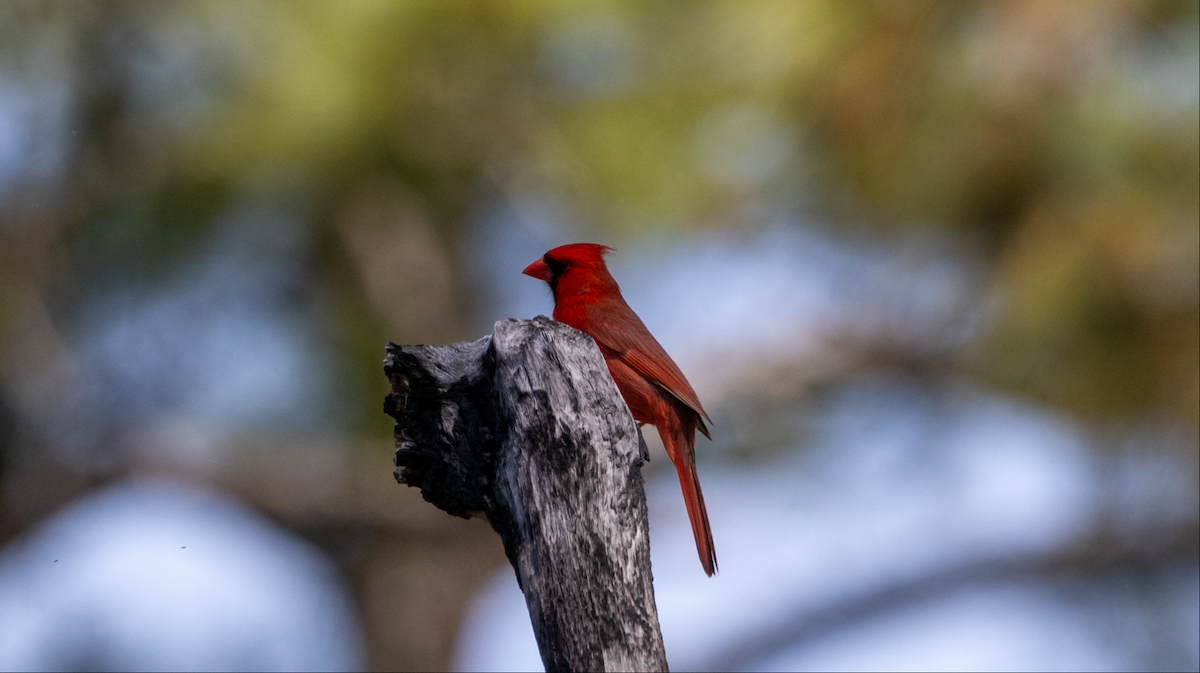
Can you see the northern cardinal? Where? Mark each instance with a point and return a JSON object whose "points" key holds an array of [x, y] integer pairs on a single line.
{"points": [[587, 298]]}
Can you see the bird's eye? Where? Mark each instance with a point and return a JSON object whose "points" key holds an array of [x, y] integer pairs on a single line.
{"points": [[557, 266]]}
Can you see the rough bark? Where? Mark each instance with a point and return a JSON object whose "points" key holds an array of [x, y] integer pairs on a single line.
{"points": [[527, 428]]}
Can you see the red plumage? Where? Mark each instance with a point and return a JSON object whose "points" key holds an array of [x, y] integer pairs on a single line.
{"points": [[587, 298]]}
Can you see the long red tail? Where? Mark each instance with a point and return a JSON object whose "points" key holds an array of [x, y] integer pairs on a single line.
{"points": [[694, 498], [681, 448]]}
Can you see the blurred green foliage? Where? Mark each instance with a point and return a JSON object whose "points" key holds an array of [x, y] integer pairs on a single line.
{"points": [[1057, 142]]}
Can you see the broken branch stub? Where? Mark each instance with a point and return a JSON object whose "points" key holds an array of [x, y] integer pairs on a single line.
{"points": [[527, 428]]}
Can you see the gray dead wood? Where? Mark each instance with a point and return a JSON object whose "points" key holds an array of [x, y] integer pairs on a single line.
{"points": [[527, 428]]}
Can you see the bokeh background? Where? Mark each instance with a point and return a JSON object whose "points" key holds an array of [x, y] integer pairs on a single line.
{"points": [[932, 267]]}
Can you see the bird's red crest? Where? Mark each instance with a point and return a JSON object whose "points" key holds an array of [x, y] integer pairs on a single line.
{"points": [[579, 252]]}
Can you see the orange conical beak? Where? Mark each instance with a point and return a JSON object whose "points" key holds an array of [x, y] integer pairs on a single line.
{"points": [[539, 270]]}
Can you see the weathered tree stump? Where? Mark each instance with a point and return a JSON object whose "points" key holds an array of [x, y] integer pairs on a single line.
{"points": [[527, 428]]}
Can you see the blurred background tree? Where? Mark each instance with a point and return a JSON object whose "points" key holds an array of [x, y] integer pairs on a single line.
{"points": [[286, 186]]}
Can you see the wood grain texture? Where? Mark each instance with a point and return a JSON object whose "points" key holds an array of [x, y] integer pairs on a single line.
{"points": [[527, 428]]}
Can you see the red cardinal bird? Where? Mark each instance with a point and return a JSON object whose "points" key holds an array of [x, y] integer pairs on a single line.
{"points": [[587, 298]]}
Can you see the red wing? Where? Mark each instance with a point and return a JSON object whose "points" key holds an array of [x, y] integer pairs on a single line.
{"points": [[626, 336], [666, 375]]}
